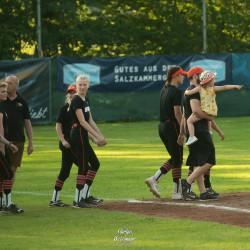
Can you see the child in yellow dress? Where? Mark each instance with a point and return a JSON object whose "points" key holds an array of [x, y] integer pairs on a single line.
{"points": [[207, 92]]}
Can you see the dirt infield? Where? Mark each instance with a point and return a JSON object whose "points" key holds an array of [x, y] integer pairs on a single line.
{"points": [[232, 209]]}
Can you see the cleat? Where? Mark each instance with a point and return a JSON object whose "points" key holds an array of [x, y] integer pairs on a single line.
{"points": [[81, 204], [208, 197], [12, 208], [58, 203], [91, 201], [176, 196], [194, 195], [153, 185], [211, 191], [96, 199], [189, 197], [191, 140], [184, 190]]}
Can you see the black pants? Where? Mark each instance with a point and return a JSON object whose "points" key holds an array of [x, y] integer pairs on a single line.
{"points": [[169, 132], [86, 157], [6, 173], [5, 169], [68, 158]]}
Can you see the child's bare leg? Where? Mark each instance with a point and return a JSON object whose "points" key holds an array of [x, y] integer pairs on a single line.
{"points": [[190, 122], [210, 126]]}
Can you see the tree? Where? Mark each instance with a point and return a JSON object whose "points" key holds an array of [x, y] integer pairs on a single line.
{"points": [[105, 28]]}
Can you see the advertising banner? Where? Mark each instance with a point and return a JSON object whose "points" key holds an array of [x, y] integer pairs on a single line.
{"points": [[34, 85], [144, 73], [241, 69]]}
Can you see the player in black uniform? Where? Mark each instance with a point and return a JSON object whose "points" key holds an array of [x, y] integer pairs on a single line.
{"points": [[5, 170], [169, 127], [193, 75], [18, 113], [64, 123], [202, 153], [88, 163]]}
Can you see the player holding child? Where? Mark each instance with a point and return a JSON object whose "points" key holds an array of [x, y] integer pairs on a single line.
{"points": [[207, 92]]}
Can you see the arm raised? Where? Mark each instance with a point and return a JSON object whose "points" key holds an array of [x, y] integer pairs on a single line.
{"points": [[227, 87]]}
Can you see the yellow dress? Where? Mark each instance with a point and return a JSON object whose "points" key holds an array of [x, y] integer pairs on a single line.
{"points": [[208, 104]]}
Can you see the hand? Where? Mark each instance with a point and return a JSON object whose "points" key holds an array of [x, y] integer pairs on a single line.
{"points": [[65, 144], [30, 148], [101, 141], [180, 139], [94, 140], [13, 148], [222, 136], [240, 87]]}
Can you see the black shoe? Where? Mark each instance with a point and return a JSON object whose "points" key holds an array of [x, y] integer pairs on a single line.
{"points": [[12, 208], [194, 195], [96, 199], [190, 196], [208, 197], [58, 203], [90, 200], [81, 204], [211, 191], [184, 188]]}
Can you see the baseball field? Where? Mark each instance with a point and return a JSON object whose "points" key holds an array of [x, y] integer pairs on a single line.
{"points": [[130, 215]]}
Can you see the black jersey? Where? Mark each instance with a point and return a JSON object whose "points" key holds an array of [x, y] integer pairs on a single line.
{"points": [[78, 103], [200, 126], [17, 111], [65, 118], [170, 97], [5, 120]]}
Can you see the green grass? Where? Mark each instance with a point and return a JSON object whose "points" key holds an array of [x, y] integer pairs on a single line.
{"points": [[133, 153]]}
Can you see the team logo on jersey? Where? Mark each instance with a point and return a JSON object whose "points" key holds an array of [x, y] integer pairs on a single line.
{"points": [[19, 104], [87, 109]]}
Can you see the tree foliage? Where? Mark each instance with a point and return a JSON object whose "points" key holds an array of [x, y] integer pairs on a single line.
{"points": [[103, 28]]}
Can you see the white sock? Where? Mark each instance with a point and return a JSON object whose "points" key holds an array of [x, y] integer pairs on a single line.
{"points": [[158, 175], [85, 191], [56, 195], [176, 187], [7, 199], [191, 187], [78, 195], [88, 194]]}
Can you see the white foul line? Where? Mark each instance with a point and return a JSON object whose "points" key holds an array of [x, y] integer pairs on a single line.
{"points": [[153, 202], [193, 204], [65, 195]]}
